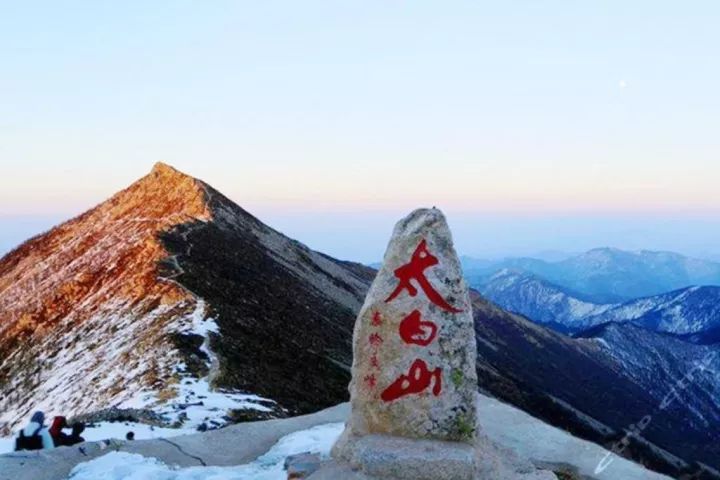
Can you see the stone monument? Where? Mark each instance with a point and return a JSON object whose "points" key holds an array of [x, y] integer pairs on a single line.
{"points": [[413, 388]]}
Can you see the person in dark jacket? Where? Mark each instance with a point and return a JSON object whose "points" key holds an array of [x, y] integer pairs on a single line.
{"points": [[34, 436], [76, 436], [56, 431]]}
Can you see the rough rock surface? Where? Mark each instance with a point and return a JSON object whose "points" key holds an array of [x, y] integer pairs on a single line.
{"points": [[414, 347]]}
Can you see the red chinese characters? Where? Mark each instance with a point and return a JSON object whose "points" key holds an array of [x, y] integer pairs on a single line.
{"points": [[415, 331], [420, 261], [418, 379], [375, 340]]}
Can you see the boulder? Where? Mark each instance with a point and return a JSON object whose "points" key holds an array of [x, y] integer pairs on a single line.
{"points": [[302, 465]]}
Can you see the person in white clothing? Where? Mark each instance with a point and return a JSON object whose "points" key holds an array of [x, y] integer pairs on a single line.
{"points": [[35, 436]]}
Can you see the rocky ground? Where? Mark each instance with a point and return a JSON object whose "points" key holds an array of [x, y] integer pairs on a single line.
{"points": [[513, 446]]}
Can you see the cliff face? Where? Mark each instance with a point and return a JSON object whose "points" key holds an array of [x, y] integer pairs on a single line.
{"points": [[121, 302]]}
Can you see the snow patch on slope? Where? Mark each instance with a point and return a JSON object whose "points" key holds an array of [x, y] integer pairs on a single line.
{"points": [[187, 405], [195, 404]]}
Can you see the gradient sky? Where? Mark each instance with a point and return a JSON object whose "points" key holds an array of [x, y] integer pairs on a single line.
{"points": [[535, 125]]}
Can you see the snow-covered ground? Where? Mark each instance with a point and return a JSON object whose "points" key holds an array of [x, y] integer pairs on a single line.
{"points": [[195, 404], [510, 436], [108, 430], [7, 445], [127, 466]]}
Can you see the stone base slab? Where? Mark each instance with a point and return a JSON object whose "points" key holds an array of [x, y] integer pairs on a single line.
{"points": [[398, 458]]}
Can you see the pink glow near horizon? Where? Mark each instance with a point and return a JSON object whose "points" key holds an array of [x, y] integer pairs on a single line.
{"points": [[325, 117], [294, 189]]}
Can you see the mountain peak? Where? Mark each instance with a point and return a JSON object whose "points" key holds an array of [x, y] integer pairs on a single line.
{"points": [[165, 195], [606, 251], [115, 301], [511, 273], [170, 178], [103, 269], [163, 169]]}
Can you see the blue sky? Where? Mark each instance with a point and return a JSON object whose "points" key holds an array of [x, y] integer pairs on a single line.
{"points": [[536, 125]]}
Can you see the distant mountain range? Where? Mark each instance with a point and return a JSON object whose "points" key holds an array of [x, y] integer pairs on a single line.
{"points": [[689, 311], [692, 312], [607, 275], [660, 346], [600, 386], [540, 300]]}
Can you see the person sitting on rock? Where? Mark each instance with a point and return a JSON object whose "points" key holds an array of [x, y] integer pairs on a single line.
{"points": [[34, 436], [76, 436], [56, 431]]}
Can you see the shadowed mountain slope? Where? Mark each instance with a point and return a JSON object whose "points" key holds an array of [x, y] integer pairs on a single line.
{"points": [[285, 312]]}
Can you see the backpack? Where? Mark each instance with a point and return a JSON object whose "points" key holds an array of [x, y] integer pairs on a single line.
{"points": [[33, 442]]}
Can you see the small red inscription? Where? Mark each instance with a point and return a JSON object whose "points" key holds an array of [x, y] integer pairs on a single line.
{"points": [[375, 339], [413, 330], [374, 362], [370, 380], [376, 319], [417, 380], [420, 261]]}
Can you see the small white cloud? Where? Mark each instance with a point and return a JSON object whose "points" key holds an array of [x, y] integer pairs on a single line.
{"points": [[622, 84]]}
